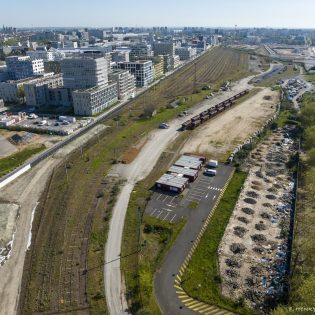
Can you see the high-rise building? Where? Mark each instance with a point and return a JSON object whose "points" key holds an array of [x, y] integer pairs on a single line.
{"points": [[84, 72], [164, 48], [142, 70], [126, 83], [21, 67], [139, 51], [185, 53]]}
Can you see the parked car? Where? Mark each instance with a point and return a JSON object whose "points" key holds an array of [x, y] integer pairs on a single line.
{"points": [[210, 172], [164, 126]]}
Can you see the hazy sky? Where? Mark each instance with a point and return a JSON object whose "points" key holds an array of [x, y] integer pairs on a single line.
{"points": [[98, 13]]}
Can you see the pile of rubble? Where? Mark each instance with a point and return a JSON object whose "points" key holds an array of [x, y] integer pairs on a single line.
{"points": [[253, 257]]}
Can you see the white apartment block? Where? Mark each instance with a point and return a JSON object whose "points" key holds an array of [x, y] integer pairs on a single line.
{"points": [[84, 72], [143, 71], [126, 83], [21, 67], [89, 102]]}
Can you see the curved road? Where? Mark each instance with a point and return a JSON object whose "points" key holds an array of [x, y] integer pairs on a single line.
{"points": [[158, 141]]}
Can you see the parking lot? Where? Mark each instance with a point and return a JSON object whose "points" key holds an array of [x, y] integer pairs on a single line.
{"points": [[53, 125], [197, 199]]}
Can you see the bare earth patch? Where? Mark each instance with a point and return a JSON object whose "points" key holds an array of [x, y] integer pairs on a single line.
{"points": [[223, 133]]}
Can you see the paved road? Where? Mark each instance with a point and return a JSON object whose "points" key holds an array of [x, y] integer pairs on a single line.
{"points": [[164, 281], [158, 141]]}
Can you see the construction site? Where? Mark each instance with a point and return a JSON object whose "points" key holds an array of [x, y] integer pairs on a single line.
{"points": [[254, 254]]}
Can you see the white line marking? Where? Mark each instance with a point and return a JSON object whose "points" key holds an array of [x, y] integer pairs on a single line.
{"points": [[214, 197], [207, 196], [169, 210], [172, 199], [173, 218], [171, 206], [158, 197], [166, 216], [159, 214], [165, 198], [153, 211]]}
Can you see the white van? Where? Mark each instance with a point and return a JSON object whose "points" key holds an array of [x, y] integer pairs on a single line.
{"points": [[212, 164], [210, 172]]}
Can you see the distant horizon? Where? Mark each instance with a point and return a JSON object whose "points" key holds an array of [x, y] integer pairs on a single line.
{"points": [[168, 26], [280, 14]]}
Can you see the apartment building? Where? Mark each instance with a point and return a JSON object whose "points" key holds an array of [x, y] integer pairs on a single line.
{"points": [[84, 72], [21, 67], [89, 102], [142, 70], [126, 83], [37, 91]]}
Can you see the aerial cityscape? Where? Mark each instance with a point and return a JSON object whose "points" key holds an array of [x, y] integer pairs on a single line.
{"points": [[157, 159]]}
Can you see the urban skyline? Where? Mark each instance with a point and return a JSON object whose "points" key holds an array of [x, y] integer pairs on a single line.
{"points": [[243, 13]]}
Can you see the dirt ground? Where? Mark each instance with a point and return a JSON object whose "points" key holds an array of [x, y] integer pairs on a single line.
{"points": [[6, 148], [253, 251], [24, 194], [218, 137]]}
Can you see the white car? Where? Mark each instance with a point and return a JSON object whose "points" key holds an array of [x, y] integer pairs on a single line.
{"points": [[210, 172]]}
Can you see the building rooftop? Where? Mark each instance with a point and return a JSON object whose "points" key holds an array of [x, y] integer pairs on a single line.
{"points": [[182, 170], [95, 88], [188, 161], [173, 180]]}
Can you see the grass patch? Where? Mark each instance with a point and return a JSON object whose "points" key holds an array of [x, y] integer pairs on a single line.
{"points": [[156, 237], [201, 279], [193, 205], [288, 73], [11, 162], [310, 77]]}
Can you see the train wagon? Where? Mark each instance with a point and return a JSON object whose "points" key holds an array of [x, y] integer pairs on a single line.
{"points": [[186, 124], [204, 118], [195, 124]]}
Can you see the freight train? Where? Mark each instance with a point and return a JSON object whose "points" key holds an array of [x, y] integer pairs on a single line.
{"points": [[211, 112]]}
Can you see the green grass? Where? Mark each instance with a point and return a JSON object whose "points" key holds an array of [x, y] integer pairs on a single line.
{"points": [[310, 77], [156, 238], [193, 205], [11, 162], [201, 279]]}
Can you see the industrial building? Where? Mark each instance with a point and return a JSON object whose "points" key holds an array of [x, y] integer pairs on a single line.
{"points": [[189, 162], [21, 67], [172, 182], [126, 83], [184, 171], [88, 102], [142, 70]]}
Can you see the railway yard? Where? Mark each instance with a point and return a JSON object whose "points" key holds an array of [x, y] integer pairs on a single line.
{"points": [[254, 253]]}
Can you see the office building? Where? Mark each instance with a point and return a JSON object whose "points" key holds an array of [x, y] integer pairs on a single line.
{"points": [[140, 51], [164, 48], [84, 72], [126, 83], [89, 102], [21, 67], [175, 61], [185, 53], [51, 54], [11, 91], [142, 70], [52, 66]]}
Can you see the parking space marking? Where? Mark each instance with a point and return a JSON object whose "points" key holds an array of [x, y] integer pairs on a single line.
{"points": [[214, 197], [196, 194], [153, 211], [158, 197], [166, 215], [172, 199], [168, 210], [173, 218], [201, 189], [159, 214], [165, 198]]}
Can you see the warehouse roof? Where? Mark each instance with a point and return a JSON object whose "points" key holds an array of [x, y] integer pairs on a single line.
{"points": [[183, 170], [173, 180], [188, 161]]}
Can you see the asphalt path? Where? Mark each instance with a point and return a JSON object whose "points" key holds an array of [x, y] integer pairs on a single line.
{"points": [[165, 291]]}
